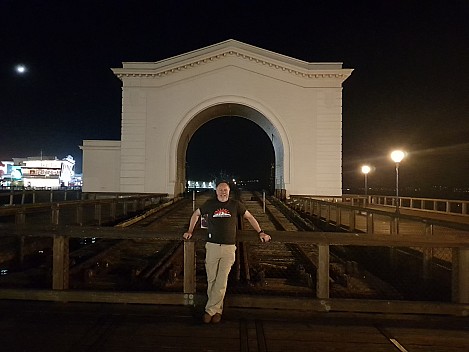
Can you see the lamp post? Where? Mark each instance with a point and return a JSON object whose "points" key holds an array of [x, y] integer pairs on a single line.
{"points": [[397, 156], [365, 170]]}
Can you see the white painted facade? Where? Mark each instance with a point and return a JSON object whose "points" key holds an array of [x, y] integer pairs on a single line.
{"points": [[298, 104]]}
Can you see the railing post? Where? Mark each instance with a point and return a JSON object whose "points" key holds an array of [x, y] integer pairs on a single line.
{"points": [[263, 201], [125, 208], [20, 219], [79, 214], [189, 267], [112, 210], [322, 288], [394, 225], [98, 213], [427, 255], [60, 264], [351, 225], [370, 225], [460, 282], [55, 213], [338, 216], [394, 230]]}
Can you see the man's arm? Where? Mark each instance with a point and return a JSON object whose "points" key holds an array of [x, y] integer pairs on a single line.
{"points": [[193, 221], [252, 220]]}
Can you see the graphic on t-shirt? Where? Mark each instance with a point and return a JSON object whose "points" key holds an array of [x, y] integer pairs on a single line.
{"points": [[204, 221], [222, 213]]}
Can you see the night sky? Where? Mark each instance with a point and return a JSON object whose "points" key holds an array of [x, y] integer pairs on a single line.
{"points": [[409, 88]]}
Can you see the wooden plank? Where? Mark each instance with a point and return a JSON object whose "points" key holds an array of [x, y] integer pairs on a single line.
{"points": [[95, 296], [330, 238], [431, 339], [244, 301], [322, 288], [461, 275], [347, 305], [189, 267], [60, 263]]}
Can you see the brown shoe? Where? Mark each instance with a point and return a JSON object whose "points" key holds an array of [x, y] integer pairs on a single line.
{"points": [[207, 318], [216, 318]]}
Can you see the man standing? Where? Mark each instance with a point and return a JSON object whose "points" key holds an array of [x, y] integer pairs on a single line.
{"points": [[220, 248]]}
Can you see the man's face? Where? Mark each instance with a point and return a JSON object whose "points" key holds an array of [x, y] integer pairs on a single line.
{"points": [[223, 192]]}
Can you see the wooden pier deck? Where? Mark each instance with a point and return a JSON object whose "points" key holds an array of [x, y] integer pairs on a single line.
{"points": [[48, 326], [56, 320]]}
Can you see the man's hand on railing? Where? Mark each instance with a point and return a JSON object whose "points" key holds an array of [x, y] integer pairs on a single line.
{"points": [[264, 237]]}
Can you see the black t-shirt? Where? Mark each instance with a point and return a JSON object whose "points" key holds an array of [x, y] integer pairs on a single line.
{"points": [[222, 218]]}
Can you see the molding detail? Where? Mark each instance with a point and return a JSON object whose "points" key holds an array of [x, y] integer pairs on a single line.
{"points": [[146, 73]]}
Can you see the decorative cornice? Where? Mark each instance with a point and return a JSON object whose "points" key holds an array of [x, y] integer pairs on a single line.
{"points": [[139, 73]]}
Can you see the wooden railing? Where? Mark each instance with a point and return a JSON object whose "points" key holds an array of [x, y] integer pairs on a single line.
{"points": [[189, 296], [21, 196], [365, 225], [353, 213], [98, 209], [443, 206]]}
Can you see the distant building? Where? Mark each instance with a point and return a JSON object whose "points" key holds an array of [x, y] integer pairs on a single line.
{"points": [[200, 185], [39, 172]]}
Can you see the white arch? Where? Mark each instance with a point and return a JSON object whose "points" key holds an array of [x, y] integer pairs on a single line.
{"points": [[265, 118], [298, 104]]}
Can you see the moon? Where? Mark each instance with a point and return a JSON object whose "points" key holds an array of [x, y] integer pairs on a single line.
{"points": [[21, 69]]}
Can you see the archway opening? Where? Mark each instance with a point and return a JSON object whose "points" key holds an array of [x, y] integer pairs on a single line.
{"points": [[248, 123], [232, 147]]}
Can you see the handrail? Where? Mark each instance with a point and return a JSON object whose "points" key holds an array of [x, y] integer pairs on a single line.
{"points": [[20, 196], [61, 292], [118, 205], [427, 238], [329, 238], [434, 205], [299, 202]]}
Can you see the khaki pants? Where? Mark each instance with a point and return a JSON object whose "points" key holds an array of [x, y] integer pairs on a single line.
{"points": [[219, 259]]}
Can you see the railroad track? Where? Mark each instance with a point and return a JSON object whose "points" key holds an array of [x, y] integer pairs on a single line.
{"points": [[157, 265]]}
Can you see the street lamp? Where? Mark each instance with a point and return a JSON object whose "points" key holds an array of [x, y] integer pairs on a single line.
{"points": [[397, 156], [365, 170]]}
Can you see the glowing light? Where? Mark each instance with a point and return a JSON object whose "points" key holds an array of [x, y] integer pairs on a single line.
{"points": [[366, 169], [397, 156], [21, 69]]}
